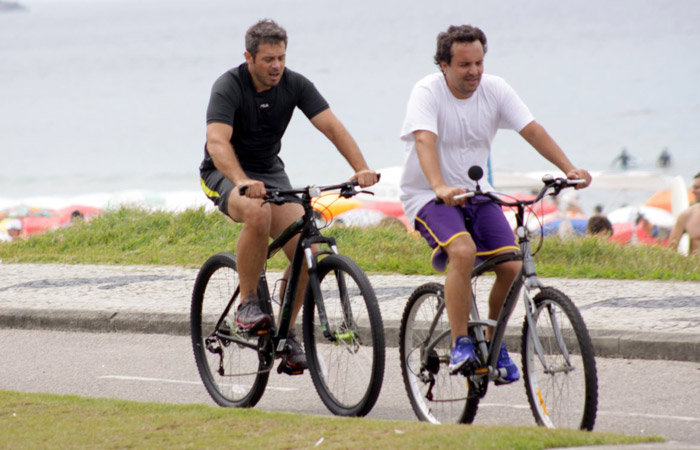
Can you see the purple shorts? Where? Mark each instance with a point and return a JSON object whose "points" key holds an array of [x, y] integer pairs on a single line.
{"points": [[484, 222]]}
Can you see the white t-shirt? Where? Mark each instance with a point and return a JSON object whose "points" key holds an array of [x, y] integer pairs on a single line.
{"points": [[464, 129]]}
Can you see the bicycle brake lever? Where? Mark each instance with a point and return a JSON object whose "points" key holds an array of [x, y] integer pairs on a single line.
{"points": [[348, 191], [274, 198]]}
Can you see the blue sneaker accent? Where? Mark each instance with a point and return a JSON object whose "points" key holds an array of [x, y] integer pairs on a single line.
{"points": [[504, 362], [462, 353]]}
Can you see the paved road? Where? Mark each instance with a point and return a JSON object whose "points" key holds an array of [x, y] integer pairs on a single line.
{"points": [[637, 397]]}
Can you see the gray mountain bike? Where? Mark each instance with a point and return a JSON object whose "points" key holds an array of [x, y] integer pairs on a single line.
{"points": [[558, 363]]}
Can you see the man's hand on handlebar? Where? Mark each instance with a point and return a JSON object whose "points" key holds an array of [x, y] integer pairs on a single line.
{"points": [[365, 177], [447, 195], [252, 189], [580, 174]]}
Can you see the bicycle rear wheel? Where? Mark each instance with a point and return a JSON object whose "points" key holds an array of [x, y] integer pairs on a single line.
{"points": [[234, 374], [348, 370], [435, 395], [563, 392]]}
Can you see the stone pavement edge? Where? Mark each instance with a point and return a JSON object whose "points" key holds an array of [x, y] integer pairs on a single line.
{"points": [[626, 318]]}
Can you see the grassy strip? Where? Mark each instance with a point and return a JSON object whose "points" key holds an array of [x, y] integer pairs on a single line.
{"points": [[52, 421], [132, 236]]}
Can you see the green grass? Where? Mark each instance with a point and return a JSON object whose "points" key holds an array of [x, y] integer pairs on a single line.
{"points": [[132, 236], [32, 421]]}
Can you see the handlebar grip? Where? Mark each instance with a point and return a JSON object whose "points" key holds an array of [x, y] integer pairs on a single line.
{"points": [[470, 194]]}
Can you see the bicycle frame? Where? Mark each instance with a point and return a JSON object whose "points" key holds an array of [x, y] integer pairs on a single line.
{"points": [[527, 277], [309, 234]]}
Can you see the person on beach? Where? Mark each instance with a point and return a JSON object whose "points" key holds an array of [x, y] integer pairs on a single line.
{"points": [[451, 119], [689, 222], [664, 159], [10, 230], [249, 109], [624, 159], [600, 226]]}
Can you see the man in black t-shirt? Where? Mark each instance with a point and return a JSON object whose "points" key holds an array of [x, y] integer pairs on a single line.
{"points": [[249, 110]]}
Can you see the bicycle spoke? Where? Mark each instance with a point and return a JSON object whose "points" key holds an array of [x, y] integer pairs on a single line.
{"points": [[347, 369], [228, 361]]}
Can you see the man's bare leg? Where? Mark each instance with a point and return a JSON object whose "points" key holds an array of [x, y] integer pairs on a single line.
{"points": [[458, 294], [252, 241], [505, 274]]}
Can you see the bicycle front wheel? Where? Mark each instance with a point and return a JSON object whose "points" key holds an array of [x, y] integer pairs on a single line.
{"points": [[561, 383], [233, 373], [435, 395], [348, 368]]}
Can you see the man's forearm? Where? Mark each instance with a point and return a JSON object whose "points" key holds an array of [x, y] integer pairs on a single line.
{"points": [[226, 161], [537, 136]]}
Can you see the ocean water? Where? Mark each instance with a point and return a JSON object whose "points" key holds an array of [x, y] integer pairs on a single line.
{"points": [[104, 98]]}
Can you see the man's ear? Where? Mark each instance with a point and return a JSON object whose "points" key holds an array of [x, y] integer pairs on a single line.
{"points": [[248, 57]]}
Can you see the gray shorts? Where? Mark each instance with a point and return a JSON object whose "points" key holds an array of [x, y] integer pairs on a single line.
{"points": [[218, 188]]}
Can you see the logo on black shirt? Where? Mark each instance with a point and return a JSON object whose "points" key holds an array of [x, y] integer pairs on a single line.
{"points": [[264, 105]]}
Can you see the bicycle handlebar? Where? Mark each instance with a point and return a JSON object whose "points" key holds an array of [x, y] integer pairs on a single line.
{"points": [[275, 195], [550, 183]]}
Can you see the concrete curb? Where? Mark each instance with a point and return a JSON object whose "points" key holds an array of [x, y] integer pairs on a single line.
{"points": [[607, 343]]}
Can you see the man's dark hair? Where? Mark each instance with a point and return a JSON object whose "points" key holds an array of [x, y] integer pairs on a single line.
{"points": [[599, 225], [461, 33], [266, 31], [697, 175]]}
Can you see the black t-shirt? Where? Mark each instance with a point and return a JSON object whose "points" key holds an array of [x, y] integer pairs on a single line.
{"points": [[259, 119]]}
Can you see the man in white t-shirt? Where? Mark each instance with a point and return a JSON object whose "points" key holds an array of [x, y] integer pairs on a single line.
{"points": [[451, 120]]}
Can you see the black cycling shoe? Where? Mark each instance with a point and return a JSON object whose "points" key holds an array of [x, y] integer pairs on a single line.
{"points": [[250, 317]]}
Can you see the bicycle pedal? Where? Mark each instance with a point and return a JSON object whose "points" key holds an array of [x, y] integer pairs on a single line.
{"points": [[481, 371], [284, 367], [470, 369], [252, 332]]}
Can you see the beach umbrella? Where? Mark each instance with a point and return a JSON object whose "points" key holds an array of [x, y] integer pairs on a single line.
{"points": [[20, 211], [578, 226], [330, 205], [662, 199], [656, 216]]}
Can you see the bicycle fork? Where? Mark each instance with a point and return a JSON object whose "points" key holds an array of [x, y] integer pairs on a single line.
{"points": [[532, 282]]}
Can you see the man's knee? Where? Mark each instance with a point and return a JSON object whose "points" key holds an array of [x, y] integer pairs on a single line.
{"points": [[250, 213], [461, 252]]}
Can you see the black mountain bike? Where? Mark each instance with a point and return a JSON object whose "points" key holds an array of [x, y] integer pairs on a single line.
{"points": [[558, 362], [342, 323]]}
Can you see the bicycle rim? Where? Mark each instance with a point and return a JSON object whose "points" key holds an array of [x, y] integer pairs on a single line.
{"points": [[347, 371], [446, 401], [563, 393], [233, 374]]}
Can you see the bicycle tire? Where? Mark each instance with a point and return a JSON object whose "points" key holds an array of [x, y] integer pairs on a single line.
{"points": [[245, 374], [347, 373], [561, 395], [448, 402]]}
